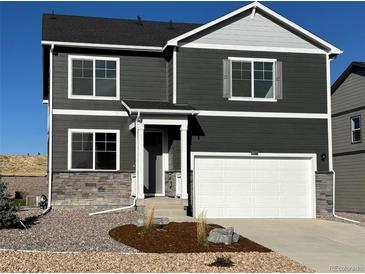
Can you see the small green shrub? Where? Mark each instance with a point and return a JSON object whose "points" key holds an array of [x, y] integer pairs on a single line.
{"points": [[8, 210], [19, 202], [222, 261], [201, 230]]}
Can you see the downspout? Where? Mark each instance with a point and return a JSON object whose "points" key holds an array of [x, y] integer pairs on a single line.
{"points": [[50, 125], [136, 185], [330, 153]]}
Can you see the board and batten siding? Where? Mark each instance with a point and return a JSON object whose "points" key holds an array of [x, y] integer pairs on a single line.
{"points": [[341, 131], [351, 93], [61, 124], [200, 81], [350, 182], [263, 135], [245, 30], [141, 78]]}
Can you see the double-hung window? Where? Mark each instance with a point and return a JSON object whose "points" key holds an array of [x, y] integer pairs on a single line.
{"points": [[356, 129], [93, 77], [252, 79], [93, 149]]}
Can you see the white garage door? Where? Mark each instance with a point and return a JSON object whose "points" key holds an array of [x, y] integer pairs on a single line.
{"points": [[253, 187]]}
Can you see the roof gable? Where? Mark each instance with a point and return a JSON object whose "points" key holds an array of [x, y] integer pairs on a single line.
{"points": [[346, 73], [253, 7]]}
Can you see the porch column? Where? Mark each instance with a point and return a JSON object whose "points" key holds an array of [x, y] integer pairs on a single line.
{"points": [[183, 160], [140, 160]]}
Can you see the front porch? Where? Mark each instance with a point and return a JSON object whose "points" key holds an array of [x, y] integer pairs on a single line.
{"points": [[161, 140]]}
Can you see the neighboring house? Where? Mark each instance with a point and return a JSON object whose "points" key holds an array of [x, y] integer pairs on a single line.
{"points": [[231, 115], [348, 115]]}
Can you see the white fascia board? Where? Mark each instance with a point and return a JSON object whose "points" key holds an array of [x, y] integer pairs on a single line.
{"points": [[89, 112], [252, 48], [263, 114], [103, 46], [127, 107], [45, 102], [164, 111], [332, 49]]}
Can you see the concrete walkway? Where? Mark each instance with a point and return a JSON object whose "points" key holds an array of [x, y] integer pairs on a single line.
{"points": [[324, 246]]}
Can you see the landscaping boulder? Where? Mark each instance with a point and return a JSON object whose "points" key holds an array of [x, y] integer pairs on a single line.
{"points": [[223, 235]]}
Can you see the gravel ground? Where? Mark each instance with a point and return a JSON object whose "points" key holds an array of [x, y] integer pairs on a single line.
{"points": [[353, 216], [27, 185], [15, 261], [67, 230]]}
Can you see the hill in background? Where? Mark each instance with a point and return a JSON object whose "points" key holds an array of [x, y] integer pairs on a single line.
{"points": [[23, 165]]}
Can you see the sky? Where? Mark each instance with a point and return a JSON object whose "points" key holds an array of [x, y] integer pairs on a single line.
{"points": [[23, 118]]}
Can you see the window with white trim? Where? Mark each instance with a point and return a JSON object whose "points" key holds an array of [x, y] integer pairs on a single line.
{"points": [[252, 79], [92, 77], [93, 149], [356, 129]]}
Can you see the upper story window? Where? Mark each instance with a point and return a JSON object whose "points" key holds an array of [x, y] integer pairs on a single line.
{"points": [[356, 129], [251, 79], [92, 77], [93, 149]]}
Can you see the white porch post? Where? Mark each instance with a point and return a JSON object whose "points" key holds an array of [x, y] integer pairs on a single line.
{"points": [[183, 160], [140, 160]]}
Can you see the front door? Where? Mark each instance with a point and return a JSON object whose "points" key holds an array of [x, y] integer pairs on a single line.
{"points": [[153, 163]]}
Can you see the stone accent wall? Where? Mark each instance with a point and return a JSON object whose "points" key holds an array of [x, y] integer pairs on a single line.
{"points": [[170, 183], [91, 188], [324, 194]]}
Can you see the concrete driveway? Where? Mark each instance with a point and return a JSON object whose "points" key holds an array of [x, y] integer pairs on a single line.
{"points": [[324, 246]]}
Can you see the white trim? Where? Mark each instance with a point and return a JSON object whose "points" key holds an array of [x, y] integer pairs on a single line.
{"points": [[163, 111], [174, 75], [250, 99], [248, 59], [251, 48], [165, 122], [126, 106], [89, 112], [311, 156], [104, 46], [93, 58], [329, 111], [332, 49], [44, 102], [263, 114], [93, 131]]}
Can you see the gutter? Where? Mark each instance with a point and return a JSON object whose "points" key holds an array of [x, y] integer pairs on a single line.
{"points": [[330, 158], [50, 118]]}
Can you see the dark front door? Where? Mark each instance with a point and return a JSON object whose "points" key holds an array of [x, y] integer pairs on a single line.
{"points": [[153, 162]]}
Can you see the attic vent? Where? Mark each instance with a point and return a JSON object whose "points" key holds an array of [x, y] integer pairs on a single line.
{"points": [[139, 21], [171, 26]]}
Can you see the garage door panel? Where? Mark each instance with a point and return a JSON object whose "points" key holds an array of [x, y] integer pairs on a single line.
{"points": [[253, 187]]}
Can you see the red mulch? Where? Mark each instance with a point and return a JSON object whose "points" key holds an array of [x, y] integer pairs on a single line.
{"points": [[177, 238]]}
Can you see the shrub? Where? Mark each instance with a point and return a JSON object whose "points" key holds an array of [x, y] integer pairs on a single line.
{"points": [[148, 226], [201, 230], [222, 261], [7, 208]]}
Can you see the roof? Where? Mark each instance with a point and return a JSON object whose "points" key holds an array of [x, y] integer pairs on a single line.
{"points": [[346, 73], [135, 106], [105, 31], [81, 29]]}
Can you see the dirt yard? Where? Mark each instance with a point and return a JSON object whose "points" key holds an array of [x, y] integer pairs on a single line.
{"points": [[16, 261], [177, 238], [23, 165]]}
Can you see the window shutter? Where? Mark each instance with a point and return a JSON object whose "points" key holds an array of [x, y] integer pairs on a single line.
{"points": [[279, 80], [226, 78]]}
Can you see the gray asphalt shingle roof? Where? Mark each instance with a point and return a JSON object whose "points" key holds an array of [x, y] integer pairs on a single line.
{"points": [[81, 29]]}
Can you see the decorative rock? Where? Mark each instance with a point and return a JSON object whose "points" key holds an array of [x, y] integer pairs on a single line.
{"points": [[140, 222], [223, 235], [161, 220]]}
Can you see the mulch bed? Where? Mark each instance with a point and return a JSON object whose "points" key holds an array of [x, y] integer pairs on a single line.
{"points": [[177, 238]]}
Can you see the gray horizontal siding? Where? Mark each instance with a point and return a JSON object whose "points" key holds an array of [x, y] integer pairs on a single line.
{"points": [[265, 135], [350, 183], [141, 77], [199, 81], [351, 93], [341, 132], [61, 124]]}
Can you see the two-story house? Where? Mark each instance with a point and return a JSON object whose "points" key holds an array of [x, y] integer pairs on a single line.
{"points": [[348, 114], [232, 117]]}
